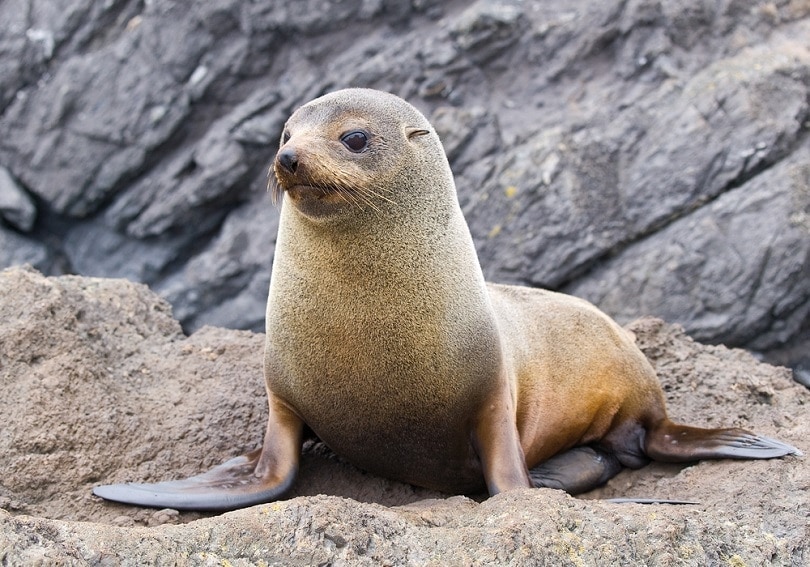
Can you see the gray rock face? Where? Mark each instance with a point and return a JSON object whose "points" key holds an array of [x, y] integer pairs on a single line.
{"points": [[650, 156], [746, 255], [16, 207]]}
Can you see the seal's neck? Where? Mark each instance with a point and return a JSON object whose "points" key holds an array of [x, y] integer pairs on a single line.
{"points": [[406, 242], [393, 303]]}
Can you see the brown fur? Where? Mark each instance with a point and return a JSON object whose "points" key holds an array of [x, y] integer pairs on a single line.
{"points": [[374, 306]]}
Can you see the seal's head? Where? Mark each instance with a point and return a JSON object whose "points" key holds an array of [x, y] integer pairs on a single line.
{"points": [[342, 153]]}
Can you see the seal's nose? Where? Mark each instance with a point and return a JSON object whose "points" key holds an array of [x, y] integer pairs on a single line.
{"points": [[288, 159]]}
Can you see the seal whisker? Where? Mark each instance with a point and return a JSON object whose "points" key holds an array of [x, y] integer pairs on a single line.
{"points": [[360, 194], [273, 186], [380, 196], [344, 184], [349, 197], [336, 184], [345, 194]]}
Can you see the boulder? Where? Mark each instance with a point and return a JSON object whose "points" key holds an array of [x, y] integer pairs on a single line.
{"points": [[101, 385]]}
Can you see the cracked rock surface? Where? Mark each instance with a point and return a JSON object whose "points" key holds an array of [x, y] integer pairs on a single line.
{"points": [[650, 156], [100, 385]]}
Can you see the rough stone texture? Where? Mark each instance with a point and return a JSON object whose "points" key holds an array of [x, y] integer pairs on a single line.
{"points": [[650, 155], [100, 385], [726, 240], [16, 207]]}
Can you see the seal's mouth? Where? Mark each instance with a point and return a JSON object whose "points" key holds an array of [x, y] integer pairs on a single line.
{"points": [[317, 197], [301, 191], [304, 195], [296, 189], [315, 201]]}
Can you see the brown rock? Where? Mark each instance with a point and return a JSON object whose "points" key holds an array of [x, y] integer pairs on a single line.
{"points": [[100, 386]]}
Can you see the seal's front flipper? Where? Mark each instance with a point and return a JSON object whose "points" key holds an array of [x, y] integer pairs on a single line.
{"points": [[673, 443], [260, 476], [576, 470], [495, 438], [233, 484]]}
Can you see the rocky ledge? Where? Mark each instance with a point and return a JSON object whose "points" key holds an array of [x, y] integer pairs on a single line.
{"points": [[101, 385]]}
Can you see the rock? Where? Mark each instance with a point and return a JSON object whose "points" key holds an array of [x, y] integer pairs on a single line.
{"points": [[230, 277], [20, 250], [522, 527], [732, 268], [486, 29], [16, 208], [100, 385], [578, 132], [615, 186]]}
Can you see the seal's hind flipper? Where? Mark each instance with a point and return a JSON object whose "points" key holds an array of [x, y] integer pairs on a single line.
{"points": [[228, 486], [673, 443], [576, 470]]}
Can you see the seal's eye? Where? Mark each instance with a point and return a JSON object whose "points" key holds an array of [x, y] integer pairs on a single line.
{"points": [[356, 140], [285, 137]]}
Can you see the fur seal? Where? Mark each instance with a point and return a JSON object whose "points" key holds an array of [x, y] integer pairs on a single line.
{"points": [[385, 341]]}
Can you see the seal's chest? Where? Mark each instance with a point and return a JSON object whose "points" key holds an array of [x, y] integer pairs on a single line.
{"points": [[392, 399], [414, 440]]}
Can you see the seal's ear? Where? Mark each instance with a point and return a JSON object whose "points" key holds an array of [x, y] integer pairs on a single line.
{"points": [[414, 132]]}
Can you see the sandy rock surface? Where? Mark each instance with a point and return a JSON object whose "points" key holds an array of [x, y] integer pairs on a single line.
{"points": [[650, 156], [100, 385]]}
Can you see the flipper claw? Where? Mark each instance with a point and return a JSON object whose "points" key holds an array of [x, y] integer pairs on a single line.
{"points": [[754, 446]]}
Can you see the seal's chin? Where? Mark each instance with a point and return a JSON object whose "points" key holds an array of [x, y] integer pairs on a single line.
{"points": [[315, 202], [306, 192]]}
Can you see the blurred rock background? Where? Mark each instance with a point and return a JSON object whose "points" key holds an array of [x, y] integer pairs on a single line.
{"points": [[651, 156]]}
